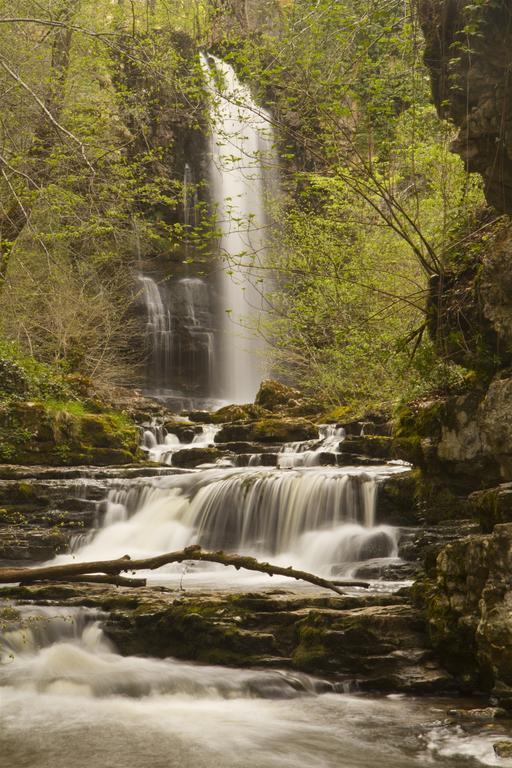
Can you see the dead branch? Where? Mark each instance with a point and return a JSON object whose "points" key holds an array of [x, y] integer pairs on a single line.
{"points": [[102, 570]]}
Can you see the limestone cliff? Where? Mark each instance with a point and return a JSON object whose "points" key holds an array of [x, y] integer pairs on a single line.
{"points": [[464, 442], [469, 54]]}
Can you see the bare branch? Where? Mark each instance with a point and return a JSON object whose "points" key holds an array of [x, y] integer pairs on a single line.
{"points": [[94, 570]]}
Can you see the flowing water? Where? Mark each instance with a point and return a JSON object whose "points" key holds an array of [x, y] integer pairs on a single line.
{"points": [[317, 518], [68, 699], [242, 157]]}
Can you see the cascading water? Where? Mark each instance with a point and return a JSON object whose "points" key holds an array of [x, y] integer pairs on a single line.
{"points": [[67, 698], [180, 339], [317, 519], [242, 152], [159, 334]]}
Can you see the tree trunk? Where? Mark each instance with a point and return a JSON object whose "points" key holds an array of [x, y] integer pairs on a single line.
{"points": [[100, 571]]}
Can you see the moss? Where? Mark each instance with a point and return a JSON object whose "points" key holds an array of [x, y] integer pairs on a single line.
{"points": [[423, 420], [311, 653], [340, 414], [242, 413], [492, 507], [269, 430], [64, 433], [283, 430]]}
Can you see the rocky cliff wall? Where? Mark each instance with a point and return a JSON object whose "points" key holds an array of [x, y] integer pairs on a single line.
{"points": [[463, 443], [469, 54]]}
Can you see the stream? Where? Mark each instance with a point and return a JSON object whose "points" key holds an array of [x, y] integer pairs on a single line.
{"points": [[67, 698]]}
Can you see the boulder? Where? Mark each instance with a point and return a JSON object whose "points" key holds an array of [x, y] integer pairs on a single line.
{"points": [[239, 413], [273, 395], [503, 748], [270, 430], [193, 457]]}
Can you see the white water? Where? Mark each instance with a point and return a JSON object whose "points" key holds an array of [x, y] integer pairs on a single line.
{"points": [[158, 332], [161, 446], [305, 455], [318, 519], [242, 152], [68, 699]]}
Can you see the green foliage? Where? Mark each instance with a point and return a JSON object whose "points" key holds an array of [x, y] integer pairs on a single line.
{"points": [[371, 205], [373, 202], [24, 377]]}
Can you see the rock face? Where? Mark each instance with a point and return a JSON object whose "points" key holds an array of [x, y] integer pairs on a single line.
{"points": [[469, 54], [468, 602], [371, 642]]}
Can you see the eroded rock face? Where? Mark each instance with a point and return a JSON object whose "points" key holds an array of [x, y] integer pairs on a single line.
{"points": [[469, 54], [469, 609], [468, 437]]}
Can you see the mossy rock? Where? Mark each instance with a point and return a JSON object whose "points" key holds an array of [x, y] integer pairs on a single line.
{"points": [[65, 434], [239, 413], [274, 395], [373, 446], [193, 457], [283, 430], [269, 430]]}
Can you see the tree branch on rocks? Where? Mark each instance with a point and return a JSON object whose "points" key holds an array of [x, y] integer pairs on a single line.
{"points": [[107, 571]]}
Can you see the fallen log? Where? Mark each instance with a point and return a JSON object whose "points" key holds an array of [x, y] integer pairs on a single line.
{"points": [[103, 570]]}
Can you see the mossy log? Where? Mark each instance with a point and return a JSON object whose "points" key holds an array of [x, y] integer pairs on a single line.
{"points": [[109, 570]]}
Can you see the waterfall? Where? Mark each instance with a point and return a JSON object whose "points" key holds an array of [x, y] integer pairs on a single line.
{"points": [[64, 651], [313, 518], [159, 333], [180, 338], [241, 154]]}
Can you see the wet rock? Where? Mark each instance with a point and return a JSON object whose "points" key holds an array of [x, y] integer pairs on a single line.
{"points": [[36, 473], [277, 430], [485, 714], [468, 603], [400, 571], [356, 460], [396, 501], [503, 748], [193, 457], [185, 431], [492, 506], [239, 413], [372, 446], [378, 545], [382, 647], [201, 417], [376, 642], [241, 447]]}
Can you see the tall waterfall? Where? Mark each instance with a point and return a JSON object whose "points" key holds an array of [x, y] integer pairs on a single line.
{"points": [[242, 152]]}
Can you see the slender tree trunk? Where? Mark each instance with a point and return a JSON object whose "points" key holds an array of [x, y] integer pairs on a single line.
{"points": [[15, 216]]}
